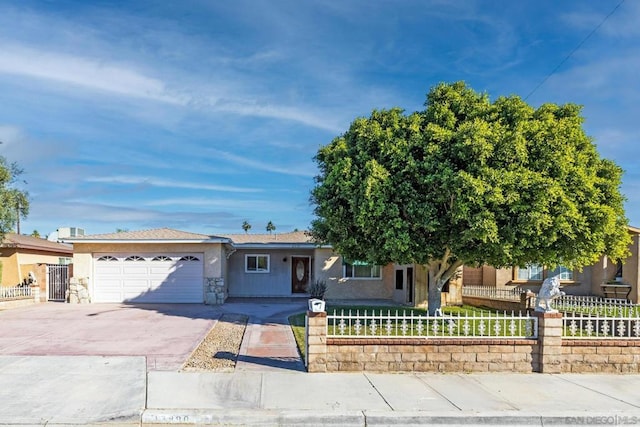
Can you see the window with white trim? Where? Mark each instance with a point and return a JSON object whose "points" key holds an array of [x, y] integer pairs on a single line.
{"points": [[256, 263], [361, 270], [532, 272], [563, 272], [537, 272]]}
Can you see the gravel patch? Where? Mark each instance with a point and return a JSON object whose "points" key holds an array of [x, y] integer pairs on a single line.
{"points": [[219, 350]]}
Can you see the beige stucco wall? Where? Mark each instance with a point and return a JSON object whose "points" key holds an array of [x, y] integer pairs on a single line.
{"points": [[10, 273], [213, 253], [35, 258], [631, 269], [16, 264], [422, 283], [328, 267], [453, 297]]}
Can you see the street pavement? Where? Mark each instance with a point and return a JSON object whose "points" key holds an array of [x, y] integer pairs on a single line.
{"points": [[270, 387]]}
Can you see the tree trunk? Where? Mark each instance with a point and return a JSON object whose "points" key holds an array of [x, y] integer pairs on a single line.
{"points": [[435, 297]]}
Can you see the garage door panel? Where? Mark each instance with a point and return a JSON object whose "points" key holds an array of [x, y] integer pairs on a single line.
{"points": [[148, 281], [163, 270], [136, 270], [108, 269]]}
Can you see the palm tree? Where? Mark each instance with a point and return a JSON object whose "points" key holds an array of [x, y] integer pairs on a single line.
{"points": [[246, 227], [270, 227]]}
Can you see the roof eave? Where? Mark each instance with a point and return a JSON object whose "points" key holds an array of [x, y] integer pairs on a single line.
{"points": [[124, 241], [38, 248], [278, 246]]}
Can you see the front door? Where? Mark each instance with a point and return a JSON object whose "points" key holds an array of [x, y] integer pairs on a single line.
{"points": [[300, 274]]}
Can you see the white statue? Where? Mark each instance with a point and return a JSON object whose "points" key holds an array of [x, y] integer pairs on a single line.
{"points": [[549, 291]]}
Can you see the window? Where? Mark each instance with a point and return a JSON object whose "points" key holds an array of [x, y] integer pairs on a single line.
{"points": [[107, 258], [189, 258], [256, 263], [563, 272], [532, 272], [161, 258], [537, 272], [134, 258], [361, 270], [65, 260]]}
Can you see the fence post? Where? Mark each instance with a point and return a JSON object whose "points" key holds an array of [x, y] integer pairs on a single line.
{"points": [[316, 338], [35, 292], [549, 342]]}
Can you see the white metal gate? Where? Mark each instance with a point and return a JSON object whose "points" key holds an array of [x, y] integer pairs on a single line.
{"points": [[57, 281]]}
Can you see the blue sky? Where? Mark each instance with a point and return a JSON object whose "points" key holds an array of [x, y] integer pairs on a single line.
{"points": [[199, 115]]}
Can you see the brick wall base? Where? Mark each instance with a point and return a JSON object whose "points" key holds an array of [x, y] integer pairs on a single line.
{"points": [[432, 355], [601, 356]]}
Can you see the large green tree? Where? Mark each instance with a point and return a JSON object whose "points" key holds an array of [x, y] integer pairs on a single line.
{"points": [[469, 181], [14, 203]]}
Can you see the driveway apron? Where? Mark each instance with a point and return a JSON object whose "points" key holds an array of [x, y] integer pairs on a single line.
{"points": [[165, 334]]}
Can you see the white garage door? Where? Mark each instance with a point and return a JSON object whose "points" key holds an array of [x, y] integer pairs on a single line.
{"points": [[157, 277]]}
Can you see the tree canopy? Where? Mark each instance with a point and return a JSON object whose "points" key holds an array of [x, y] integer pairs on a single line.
{"points": [[14, 203], [270, 227], [469, 180]]}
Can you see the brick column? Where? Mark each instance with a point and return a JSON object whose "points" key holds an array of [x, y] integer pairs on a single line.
{"points": [[35, 293], [316, 335], [549, 342]]}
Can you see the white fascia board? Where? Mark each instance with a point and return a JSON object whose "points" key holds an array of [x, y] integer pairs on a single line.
{"points": [[275, 246], [80, 241]]}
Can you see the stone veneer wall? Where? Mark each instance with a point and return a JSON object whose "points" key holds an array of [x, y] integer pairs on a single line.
{"points": [[547, 354]]}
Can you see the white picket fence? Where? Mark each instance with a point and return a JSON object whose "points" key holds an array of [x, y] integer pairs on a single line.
{"points": [[387, 324], [491, 292], [586, 326], [15, 292], [575, 304]]}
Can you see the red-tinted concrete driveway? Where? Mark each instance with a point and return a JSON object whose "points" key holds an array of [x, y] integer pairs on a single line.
{"points": [[165, 333]]}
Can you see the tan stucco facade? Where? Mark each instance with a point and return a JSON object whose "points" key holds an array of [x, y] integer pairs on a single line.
{"points": [[586, 281], [16, 263], [328, 267], [452, 297]]}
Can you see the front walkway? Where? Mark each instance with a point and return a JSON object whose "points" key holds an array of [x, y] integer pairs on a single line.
{"points": [[268, 344]]}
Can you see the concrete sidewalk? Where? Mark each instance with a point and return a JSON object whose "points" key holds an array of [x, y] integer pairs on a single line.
{"points": [[276, 398], [72, 390], [89, 390]]}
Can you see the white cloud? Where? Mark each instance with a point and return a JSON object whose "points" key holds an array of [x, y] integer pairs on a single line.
{"points": [[76, 70], [234, 205], [157, 182], [124, 80], [623, 22], [307, 170]]}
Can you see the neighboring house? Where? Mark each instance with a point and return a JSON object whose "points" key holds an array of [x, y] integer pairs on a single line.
{"points": [[19, 254], [607, 278], [165, 265]]}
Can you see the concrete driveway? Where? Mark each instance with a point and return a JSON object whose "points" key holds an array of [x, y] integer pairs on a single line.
{"points": [[165, 334]]}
